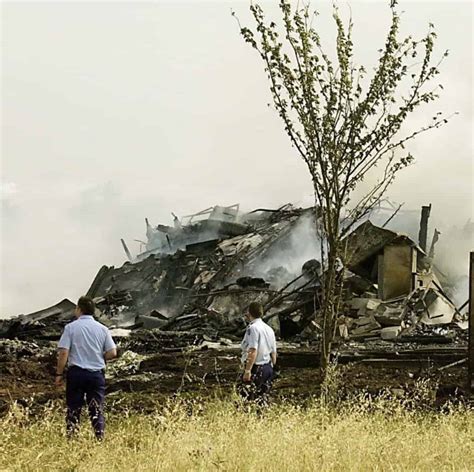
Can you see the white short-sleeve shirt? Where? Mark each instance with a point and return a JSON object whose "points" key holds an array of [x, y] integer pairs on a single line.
{"points": [[87, 340], [261, 337]]}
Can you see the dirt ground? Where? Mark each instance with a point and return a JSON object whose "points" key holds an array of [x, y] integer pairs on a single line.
{"points": [[209, 372]]}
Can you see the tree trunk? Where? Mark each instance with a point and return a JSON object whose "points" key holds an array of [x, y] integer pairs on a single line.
{"points": [[330, 304]]}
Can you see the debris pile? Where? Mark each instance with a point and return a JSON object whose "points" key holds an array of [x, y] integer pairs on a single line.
{"points": [[195, 279], [14, 349], [425, 316], [43, 325]]}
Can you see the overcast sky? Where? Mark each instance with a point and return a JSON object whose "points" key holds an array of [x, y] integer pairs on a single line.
{"points": [[112, 112]]}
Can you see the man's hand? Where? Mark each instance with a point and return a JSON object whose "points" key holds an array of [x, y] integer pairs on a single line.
{"points": [[58, 381], [247, 377]]}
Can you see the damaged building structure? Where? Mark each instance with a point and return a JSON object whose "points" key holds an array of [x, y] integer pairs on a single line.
{"points": [[203, 271], [194, 280]]}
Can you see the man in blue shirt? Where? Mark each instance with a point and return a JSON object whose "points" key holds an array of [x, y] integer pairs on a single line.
{"points": [[85, 346]]}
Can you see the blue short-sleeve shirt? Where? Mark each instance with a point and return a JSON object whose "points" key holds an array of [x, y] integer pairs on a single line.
{"points": [[87, 340]]}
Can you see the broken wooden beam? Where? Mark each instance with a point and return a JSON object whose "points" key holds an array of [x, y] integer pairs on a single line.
{"points": [[423, 234]]}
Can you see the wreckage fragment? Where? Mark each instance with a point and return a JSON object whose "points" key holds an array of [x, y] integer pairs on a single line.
{"points": [[388, 259], [423, 234], [43, 324]]}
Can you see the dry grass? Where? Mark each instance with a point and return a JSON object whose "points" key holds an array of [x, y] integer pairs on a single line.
{"points": [[363, 435]]}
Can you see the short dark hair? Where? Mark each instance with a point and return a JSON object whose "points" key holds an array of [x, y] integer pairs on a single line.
{"points": [[256, 309], [86, 305]]}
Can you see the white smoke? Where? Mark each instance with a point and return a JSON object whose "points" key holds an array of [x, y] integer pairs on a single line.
{"points": [[283, 262]]}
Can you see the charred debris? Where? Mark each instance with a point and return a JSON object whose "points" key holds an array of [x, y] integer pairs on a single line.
{"points": [[193, 280]]}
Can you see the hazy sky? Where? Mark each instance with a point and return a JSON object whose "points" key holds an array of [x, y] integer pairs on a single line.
{"points": [[116, 111]]}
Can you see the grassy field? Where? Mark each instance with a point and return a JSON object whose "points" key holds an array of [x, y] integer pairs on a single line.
{"points": [[363, 435]]}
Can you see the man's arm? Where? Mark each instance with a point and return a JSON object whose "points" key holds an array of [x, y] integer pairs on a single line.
{"points": [[110, 349], [64, 346], [251, 357], [273, 354], [110, 354], [274, 358], [63, 354]]}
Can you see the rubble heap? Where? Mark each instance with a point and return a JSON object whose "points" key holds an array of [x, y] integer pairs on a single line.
{"points": [[195, 279]]}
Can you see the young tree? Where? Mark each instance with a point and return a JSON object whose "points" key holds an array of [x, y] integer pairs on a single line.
{"points": [[343, 123]]}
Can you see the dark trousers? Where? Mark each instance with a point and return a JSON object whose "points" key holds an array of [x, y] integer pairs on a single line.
{"points": [[85, 386], [260, 384]]}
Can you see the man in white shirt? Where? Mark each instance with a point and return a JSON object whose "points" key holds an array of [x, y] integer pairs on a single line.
{"points": [[85, 346], [259, 355]]}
